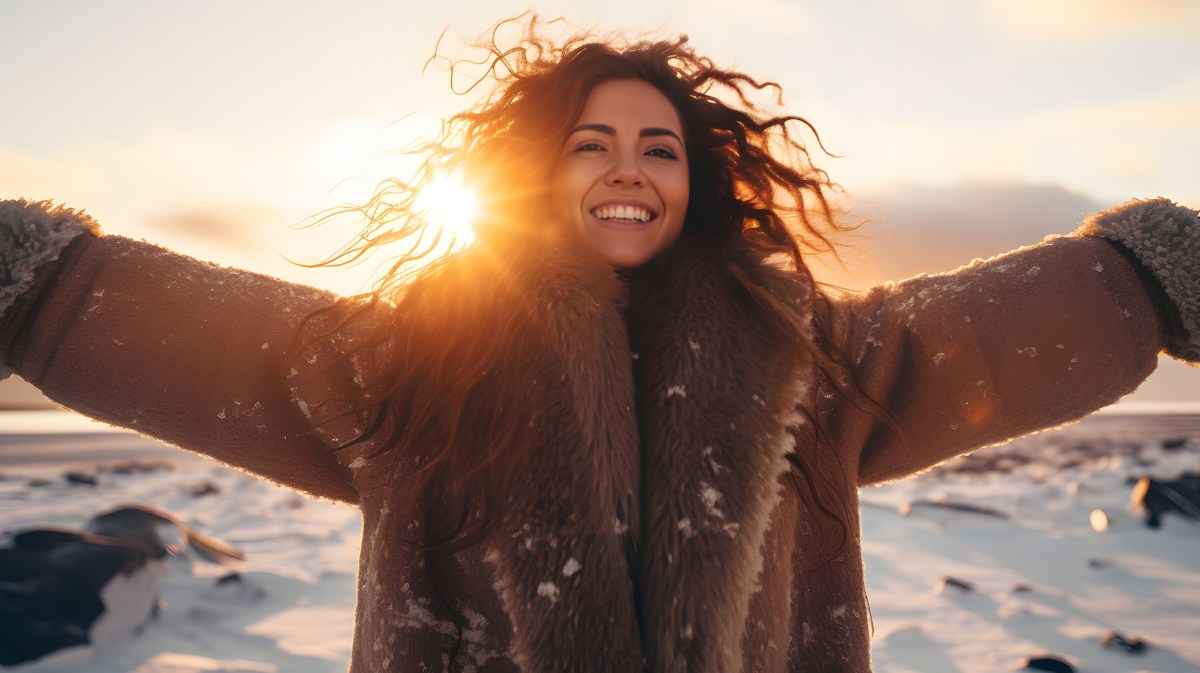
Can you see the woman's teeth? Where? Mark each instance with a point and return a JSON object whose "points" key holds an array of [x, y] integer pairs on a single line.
{"points": [[623, 213]]}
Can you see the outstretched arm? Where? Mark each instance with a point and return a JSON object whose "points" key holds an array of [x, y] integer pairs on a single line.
{"points": [[1028, 340], [182, 350]]}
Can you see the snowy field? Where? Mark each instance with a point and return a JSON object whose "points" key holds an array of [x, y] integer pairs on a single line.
{"points": [[1036, 575]]}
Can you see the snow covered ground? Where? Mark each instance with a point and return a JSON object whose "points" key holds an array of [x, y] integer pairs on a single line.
{"points": [[1043, 579]]}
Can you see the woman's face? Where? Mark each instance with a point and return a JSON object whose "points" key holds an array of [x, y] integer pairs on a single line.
{"points": [[622, 177]]}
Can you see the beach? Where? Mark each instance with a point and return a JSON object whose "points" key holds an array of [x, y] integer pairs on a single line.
{"points": [[976, 566]]}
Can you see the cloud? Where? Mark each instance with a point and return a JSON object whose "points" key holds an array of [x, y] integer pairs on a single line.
{"points": [[912, 229], [158, 171], [1090, 21], [244, 227]]}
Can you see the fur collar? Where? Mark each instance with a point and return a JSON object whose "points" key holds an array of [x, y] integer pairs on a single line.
{"points": [[659, 447]]}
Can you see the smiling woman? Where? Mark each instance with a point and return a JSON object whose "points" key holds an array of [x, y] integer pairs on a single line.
{"points": [[625, 429], [622, 178]]}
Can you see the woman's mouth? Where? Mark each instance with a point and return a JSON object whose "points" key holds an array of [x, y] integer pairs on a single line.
{"points": [[623, 214]]}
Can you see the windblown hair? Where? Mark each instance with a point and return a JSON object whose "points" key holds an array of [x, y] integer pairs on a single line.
{"points": [[751, 180]]}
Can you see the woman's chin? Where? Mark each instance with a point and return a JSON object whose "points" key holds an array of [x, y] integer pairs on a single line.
{"points": [[625, 249], [625, 259]]}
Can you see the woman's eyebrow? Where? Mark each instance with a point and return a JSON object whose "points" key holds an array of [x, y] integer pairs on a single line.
{"points": [[598, 128], [648, 132], [657, 131]]}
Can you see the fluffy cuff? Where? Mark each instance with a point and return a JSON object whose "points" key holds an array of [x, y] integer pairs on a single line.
{"points": [[1165, 238], [32, 234]]}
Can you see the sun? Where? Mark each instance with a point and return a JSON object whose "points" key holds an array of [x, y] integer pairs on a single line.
{"points": [[448, 203]]}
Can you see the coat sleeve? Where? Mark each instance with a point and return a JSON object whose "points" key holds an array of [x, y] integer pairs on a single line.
{"points": [[1032, 339], [188, 352]]}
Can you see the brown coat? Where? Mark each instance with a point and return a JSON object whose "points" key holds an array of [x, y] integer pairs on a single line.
{"points": [[658, 525]]}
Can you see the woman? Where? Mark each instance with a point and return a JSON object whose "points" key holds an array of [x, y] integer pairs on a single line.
{"points": [[624, 431]]}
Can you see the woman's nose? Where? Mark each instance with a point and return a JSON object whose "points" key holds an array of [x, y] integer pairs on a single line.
{"points": [[625, 171]]}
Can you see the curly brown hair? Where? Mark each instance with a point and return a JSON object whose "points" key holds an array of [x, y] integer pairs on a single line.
{"points": [[750, 179], [748, 170]]}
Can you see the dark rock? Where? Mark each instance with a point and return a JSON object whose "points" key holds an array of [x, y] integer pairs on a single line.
{"points": [[1021, 589], [153, 532], [159, 533], [51, 589], [1156, 498], [234, 588], [229, 578], [1176, 443], [1129, 644], [81, 478], [1048, 663], [53, 578], [140, 466], [957, 584], [953, 506], [1098, 564], [207, 488]]}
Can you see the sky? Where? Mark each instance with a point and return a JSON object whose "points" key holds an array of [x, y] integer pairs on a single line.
{"points": [[962, 128]]}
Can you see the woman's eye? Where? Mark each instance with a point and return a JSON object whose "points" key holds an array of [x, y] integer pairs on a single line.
{"points": [[589, 147], [662, 153]]}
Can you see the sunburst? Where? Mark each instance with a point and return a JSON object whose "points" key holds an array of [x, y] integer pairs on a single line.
{"points": [[450, 204]]}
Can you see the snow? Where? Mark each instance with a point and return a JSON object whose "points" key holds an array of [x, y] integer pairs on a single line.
{"points": [[548, 590], [710, 496], [292, 610], [571, 567], [1042, 578]]}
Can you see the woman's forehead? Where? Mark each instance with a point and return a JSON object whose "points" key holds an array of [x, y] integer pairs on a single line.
{"points": [[629, 104]]}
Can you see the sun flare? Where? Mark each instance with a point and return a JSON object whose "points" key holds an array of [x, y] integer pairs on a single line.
{"points": [[452, 205]]}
